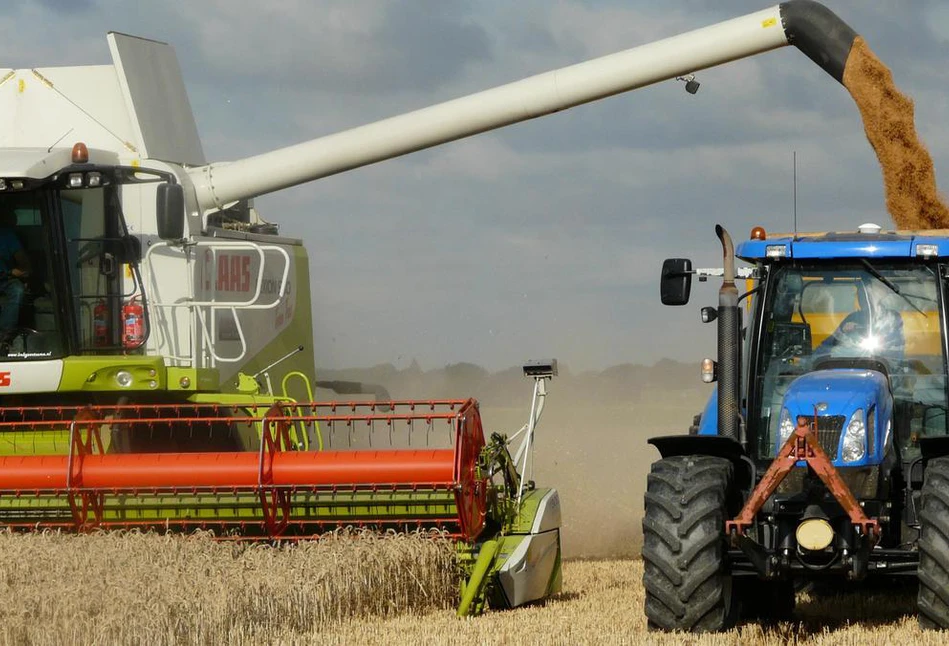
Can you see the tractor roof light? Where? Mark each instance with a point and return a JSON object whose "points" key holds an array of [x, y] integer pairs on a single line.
{"points": [[776, 251], [927, 250], [75, 180]]}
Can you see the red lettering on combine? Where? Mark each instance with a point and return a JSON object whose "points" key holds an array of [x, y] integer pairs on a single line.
{"points": [[233, 273]]}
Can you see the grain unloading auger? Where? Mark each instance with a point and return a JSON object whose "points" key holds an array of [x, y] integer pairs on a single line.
{"points": [[150, 322]]}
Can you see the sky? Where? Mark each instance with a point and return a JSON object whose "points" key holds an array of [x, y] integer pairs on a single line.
{"points": [[543, 239]]}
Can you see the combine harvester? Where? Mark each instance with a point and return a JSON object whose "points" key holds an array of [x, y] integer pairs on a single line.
{"points": [[149, 358]]}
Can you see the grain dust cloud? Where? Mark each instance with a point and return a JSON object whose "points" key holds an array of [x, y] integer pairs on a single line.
{"points": [[888, 118]]}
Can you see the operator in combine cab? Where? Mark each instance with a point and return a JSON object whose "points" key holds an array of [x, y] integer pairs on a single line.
{"points": [[14, 269]]}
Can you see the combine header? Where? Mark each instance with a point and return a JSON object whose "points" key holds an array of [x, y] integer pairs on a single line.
{"points": [[281, 490], [319, 466], [150, 319]]}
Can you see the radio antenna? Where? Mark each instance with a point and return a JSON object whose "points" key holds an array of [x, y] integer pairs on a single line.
{"points": [[794, 173]]}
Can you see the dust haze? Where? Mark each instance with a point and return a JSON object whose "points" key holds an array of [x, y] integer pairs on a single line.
{"points": [[590, 443]]}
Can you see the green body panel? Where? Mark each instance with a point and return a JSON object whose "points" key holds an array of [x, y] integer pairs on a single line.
{"points": [[26, 442], [473, 590], [192, 379], [97, 373], [482, 562], [333, 508]]}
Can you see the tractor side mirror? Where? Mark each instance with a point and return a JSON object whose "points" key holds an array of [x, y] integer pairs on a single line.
{"points": [[170, 211], [675, 284]]}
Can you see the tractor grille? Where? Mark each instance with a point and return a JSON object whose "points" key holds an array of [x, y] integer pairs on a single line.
{"points": [[829, 428]]}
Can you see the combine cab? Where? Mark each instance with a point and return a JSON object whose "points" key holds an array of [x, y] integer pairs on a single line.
{"points": [[825, 451]]}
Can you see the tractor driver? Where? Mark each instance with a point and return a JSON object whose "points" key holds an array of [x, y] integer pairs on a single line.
{"points": [[14, 269], [865, 334]]}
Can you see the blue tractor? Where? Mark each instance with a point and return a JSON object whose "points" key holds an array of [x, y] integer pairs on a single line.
{"points": [[824, 450]]}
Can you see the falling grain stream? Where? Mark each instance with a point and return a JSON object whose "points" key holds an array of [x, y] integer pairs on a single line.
{"points": [[908, 174]]}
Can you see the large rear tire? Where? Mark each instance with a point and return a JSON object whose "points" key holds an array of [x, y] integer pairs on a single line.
{"points": [[933, 599], [688, 586]]}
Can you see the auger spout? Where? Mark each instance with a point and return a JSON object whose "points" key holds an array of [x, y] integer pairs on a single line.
{"points": [[813, 28]]}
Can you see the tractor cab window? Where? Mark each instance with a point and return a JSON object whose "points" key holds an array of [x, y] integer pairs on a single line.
{"points": [[834, 316], [29, 324]]}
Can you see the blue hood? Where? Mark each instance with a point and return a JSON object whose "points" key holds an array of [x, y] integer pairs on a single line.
{"points": [[837, 394]]}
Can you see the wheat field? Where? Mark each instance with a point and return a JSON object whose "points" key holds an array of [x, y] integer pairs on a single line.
{"points": [[356, 589]]}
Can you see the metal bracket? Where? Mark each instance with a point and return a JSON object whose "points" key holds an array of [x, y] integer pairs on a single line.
{"points": [[86, 506], [803, 445], [274, 500]]}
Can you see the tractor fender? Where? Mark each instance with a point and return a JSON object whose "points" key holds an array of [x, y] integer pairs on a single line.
{"points": [[712, 445]]}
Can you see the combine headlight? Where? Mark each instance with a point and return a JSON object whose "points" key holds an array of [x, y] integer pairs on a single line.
{"points": [[855, 438], [123, 378], [75, 180], [786, 427], [94, 179]]}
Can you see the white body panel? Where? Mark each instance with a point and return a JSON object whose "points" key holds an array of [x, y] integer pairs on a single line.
{"points": [[154, 94], [136, 107], [548, 513], [39, 107], [30, 376]]}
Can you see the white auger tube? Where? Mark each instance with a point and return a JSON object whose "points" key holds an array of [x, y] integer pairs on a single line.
{"points": [[809, 25]]}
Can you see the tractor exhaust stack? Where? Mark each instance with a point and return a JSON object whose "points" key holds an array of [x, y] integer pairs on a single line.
{"points": [[729, 344]]}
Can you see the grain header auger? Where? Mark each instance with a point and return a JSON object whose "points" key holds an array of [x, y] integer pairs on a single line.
{"points": [[150, 319]]}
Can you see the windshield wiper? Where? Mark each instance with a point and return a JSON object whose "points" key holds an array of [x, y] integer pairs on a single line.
{"points": [[889, 283]]}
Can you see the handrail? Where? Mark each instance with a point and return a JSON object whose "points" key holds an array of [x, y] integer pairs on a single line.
{"points": [[200, 326], [299, 408]]}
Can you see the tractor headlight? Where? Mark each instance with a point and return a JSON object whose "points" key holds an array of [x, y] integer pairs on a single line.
{"points": [[855, 438], [786, 427]]}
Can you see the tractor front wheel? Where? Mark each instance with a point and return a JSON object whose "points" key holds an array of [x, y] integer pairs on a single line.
{"points": [[688, 585], [933, 599]]}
